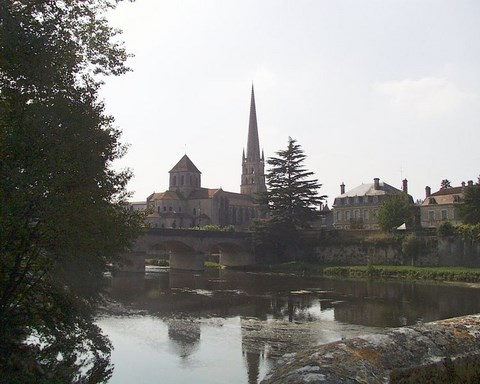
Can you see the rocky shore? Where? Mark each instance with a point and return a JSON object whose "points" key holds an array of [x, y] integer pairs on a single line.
{"points": [[446, 351]]}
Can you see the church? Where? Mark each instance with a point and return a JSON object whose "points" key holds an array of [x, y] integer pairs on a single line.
{"points": [[187, 204]]}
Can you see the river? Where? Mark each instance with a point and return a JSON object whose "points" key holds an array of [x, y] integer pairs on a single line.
{"points": [[224, 326]]}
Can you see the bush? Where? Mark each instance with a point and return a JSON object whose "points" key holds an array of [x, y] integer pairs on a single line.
{"points": [[446, 229]]}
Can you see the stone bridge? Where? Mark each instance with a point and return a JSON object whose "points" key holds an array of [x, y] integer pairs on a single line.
{"points": [[187, 248]]}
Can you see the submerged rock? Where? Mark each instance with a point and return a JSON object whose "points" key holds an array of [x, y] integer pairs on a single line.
{"points": [[437, 352]]}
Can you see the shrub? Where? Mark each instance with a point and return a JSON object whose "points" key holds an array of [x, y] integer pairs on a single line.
{"points": [[446, 229]]}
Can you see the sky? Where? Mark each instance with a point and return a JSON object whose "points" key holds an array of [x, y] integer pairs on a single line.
{"points": [[372, 88]]}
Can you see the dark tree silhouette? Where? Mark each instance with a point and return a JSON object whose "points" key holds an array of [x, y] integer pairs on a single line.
{"points": [[292, 198], [63, 209]]}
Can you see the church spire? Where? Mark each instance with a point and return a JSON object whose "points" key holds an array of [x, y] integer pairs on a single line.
{"points": [[253, 174], [253, 143]]}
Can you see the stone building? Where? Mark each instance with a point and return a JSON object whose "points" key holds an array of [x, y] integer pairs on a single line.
{"points": [[187, 204], [358, 207], [443, 205]]}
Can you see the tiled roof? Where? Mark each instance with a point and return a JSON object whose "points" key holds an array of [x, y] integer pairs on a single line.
{"points": [[185, 165], [445, 196], [203, 193], [448, 191], [170, 195]]}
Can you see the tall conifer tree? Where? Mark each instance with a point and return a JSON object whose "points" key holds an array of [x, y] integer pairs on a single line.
{"points": [[292, 198]]}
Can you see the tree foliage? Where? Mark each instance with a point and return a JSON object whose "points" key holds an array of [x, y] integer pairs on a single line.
{"points": [[292, 198], [393, 212], [470, 209], [63, 209], [445, 184]]}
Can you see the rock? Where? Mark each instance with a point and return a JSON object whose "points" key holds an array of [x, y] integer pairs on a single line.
{"points": [[437, 352]]}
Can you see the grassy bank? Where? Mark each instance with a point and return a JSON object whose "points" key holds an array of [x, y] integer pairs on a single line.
{"points": [[457, 274], [454, 274]]}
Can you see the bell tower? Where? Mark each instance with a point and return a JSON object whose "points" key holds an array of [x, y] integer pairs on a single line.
{"points": [[253, 163]]}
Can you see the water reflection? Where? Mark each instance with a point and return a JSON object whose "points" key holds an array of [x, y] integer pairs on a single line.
{"points": [[241, 323]]}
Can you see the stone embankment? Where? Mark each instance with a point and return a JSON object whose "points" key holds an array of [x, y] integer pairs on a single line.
{"points": [[446, 351]]}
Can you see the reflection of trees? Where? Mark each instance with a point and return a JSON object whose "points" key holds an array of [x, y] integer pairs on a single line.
{"points": [[400, 303], [227, 294]]}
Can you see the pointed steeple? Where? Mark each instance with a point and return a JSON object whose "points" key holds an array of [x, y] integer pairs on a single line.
{"points": [[253, 177], [253, 143]]}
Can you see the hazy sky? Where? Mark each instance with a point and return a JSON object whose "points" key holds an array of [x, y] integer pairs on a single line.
{"points": [[380, 88]]}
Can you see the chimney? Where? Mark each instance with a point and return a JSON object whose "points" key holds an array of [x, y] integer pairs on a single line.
{"points": [[470, 183], [376, 183], [463, 184], [342, 188], [405, 186], [428, 191]]}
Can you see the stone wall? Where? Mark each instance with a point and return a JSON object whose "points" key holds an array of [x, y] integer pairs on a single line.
{"points": [[353, 249], [446, 351]]}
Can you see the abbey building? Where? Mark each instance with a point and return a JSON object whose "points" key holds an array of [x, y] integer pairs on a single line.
{"points": [[187, 204]]}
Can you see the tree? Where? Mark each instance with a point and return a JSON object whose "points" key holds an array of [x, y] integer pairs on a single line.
{"points": [[63, 213], [292, 198], [445, 184], [393, 212], [470, 209]]}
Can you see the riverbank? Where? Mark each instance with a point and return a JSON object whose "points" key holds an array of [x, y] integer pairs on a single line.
{"points": [[437, 274]]}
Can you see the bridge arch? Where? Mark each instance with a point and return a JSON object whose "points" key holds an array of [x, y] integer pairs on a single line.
{"points": [[187, 248]]}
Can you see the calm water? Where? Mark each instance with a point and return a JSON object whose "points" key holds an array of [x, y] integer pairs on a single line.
{"points": [[226, 326]]}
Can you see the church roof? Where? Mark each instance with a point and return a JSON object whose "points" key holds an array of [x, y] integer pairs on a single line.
{"points": [[185, 165], [167, 195], [203, 193]]}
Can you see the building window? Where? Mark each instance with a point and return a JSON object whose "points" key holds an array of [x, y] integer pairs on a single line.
{"points": [[365, 214], [444, 214], [164, 207], [170, 209], [194, 212], [174, 181], [182, 180], [431, 215]]}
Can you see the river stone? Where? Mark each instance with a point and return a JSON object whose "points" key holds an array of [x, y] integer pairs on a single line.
{"points": [[437, 352]]}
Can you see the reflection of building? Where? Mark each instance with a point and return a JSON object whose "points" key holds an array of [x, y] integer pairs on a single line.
{"points": [[187, 204], [443, 205], [185, 334], [358, 208]]}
